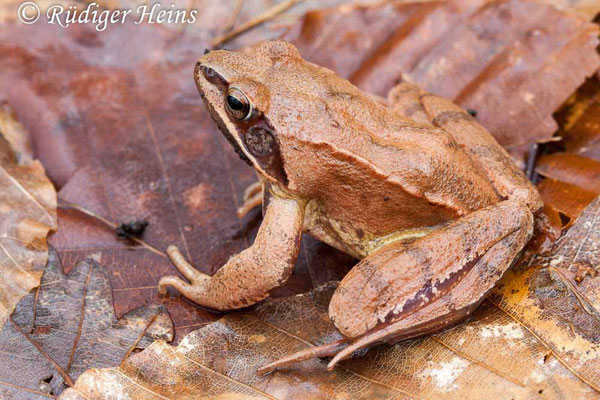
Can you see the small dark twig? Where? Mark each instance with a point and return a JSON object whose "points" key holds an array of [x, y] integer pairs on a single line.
{"points": [[535, 151], [532, 156]]}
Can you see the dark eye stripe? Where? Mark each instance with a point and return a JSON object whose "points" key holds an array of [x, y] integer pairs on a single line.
{"points": [[208, 72]]}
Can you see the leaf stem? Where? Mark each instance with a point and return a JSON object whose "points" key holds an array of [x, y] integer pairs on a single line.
{"points": [[246, 26]]}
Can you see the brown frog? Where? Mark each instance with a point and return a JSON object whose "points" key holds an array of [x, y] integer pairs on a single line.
{"points": [[416, 189]]}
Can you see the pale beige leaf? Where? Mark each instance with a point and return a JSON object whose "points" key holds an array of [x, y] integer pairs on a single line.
{"points": [[14, 133], [220, 360], [27, 215]]}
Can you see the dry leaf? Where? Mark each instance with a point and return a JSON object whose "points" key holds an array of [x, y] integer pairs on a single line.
{"points": [[12, 131], [27, 214], [580, 120], [172, 167], [564, 197], [571, 168], [573, 177], [537, 334], [512, 62], [557, 297], [587, 8], [68, 326]]}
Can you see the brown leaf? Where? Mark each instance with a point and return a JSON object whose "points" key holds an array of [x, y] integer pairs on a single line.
{"points": [[587, 8], [566, 198], [68, 326], [251, 10], [537, 334], [573, 177], [548, 227], [580, 120], [14, 134], [27, 214], [9, 9], [501, 59], [571, 168], [132, 141]]}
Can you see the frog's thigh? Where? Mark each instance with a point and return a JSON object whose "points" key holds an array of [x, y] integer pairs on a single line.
{"points": [[406, 290], [506, 177]]}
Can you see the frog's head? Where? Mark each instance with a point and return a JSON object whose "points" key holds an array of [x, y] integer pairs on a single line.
{"points": [[261, 99]]}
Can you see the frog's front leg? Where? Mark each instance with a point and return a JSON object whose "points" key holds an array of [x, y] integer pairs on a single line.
{"points": [[249, 276], [405, 290]]}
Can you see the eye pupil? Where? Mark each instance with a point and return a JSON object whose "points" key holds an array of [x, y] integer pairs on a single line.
{"points": [[234, 103]]}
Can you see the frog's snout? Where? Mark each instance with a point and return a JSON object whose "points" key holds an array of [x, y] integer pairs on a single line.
{"points": [[197, 69]]}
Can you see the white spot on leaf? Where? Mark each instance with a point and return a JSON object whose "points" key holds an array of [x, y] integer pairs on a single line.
{"points": [[446, 373], [509, 331]]}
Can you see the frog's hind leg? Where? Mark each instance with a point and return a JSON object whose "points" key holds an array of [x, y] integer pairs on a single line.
{"points": [[406, 290], [412, 101]]}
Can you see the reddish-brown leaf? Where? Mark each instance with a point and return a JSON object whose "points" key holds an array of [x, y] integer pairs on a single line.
{"points": [[132, 141], [580, 120], [571, 168], [564, 197], [548, 227]]}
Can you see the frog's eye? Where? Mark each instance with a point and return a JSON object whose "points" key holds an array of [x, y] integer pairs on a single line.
{"points": [[238, 105]]}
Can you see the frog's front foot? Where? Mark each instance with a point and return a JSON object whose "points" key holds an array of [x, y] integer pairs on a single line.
{"points": [[195, 277], [405, 290]]}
